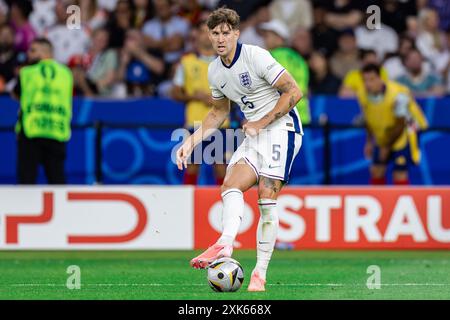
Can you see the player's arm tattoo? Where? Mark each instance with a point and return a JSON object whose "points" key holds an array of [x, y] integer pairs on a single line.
{"points": [[288, 88], [290, 95], [217, 114]]}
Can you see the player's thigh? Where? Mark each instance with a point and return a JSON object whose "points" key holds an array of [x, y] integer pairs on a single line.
{"points": [[239, 176], [269, 188]]}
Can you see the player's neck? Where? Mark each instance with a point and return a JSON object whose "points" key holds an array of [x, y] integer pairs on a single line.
{"points": [[229, 57]]}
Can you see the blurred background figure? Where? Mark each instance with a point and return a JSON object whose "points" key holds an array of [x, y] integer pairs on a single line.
{"points": [[276, 35], [343, 14], [394, 62], [324, 37], [43, 15], [396, 14], [251, 34], [431, 41], [392, 117], [45, 92], [191, 86], [20, 11], [383, 40], [421, 82], [119, 22], [245, 8], [347, 55], [190, 10], [302, 42], [166, 31], [92, 16], [66, 42], [442, 7], [95, 72], [322, 81], [294, 13], [3, 12], [144, 11], [140, 69], [8, 58]]}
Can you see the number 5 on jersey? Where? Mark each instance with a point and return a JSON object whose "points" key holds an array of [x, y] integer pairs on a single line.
{"points": [[248, 104]]}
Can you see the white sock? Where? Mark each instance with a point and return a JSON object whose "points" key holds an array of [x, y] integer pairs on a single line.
{"points": [[267, 234], [233, 211]]}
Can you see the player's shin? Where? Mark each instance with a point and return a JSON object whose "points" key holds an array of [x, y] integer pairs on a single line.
{"points": [[266, 234], [233, 211]]}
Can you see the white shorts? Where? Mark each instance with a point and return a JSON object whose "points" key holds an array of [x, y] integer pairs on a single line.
{"points": [[270, 154]]}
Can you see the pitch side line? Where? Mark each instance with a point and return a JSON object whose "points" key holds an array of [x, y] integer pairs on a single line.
{"points": [[202, 284]]}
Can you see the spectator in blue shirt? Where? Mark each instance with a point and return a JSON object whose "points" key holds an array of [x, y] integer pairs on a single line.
{"points": [[419, 81]]}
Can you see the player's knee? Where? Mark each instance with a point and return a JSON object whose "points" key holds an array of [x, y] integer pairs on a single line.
{"points": [[266, 193], [377, 171], [400, 175], [228, 184], [268, 188]]}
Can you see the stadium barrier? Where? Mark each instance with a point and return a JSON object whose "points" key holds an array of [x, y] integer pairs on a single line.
{"points": [[170, 217], [140, 153], [127, 153]]}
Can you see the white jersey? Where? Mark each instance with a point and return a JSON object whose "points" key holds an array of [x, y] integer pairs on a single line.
{"points": [[248, 81]]}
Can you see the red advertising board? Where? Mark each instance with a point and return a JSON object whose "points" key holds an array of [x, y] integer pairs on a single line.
{"points": [[338, 218]]}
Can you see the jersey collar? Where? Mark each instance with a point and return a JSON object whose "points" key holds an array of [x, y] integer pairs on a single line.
{"points": [[236, 56]]}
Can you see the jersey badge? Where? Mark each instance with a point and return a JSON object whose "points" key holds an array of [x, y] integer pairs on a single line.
{"points": [[245, 79]]}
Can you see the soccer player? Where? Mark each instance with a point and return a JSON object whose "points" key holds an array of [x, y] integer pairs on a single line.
{"points": [[267, 95], [392, 116]]}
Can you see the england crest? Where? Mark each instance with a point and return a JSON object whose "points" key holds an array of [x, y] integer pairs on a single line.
{"points": [[245, 79]]}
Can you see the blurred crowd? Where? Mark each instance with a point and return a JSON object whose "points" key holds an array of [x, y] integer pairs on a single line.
{"points": [[131, 48]]}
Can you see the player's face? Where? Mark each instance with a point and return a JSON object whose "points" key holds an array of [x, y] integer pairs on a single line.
{"points": [[372, 82], [223, 39]]}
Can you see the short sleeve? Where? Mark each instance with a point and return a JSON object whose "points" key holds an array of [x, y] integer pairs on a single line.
{"points": [[216, 94], [178, 78], [401, 106], [266, 66]]}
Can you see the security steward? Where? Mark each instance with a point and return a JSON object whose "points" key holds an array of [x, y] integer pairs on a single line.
{"points": [[45, 90]]}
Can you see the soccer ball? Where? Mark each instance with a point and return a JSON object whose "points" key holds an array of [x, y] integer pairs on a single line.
{"points": [[225, 275]]}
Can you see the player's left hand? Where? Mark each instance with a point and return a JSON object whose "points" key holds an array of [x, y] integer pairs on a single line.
{"points": [[252, 128]]}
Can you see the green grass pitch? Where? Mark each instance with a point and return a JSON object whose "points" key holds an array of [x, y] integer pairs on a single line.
{"points": [[167, 275]]}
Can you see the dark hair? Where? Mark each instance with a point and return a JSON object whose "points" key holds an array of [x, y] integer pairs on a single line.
{"points": [[371, 68], [412, 50], [44, 42], [223, 15], [24, 6], [365, 52]]}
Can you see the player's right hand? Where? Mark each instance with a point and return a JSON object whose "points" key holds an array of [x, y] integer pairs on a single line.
{"points": [[183, 154]]}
